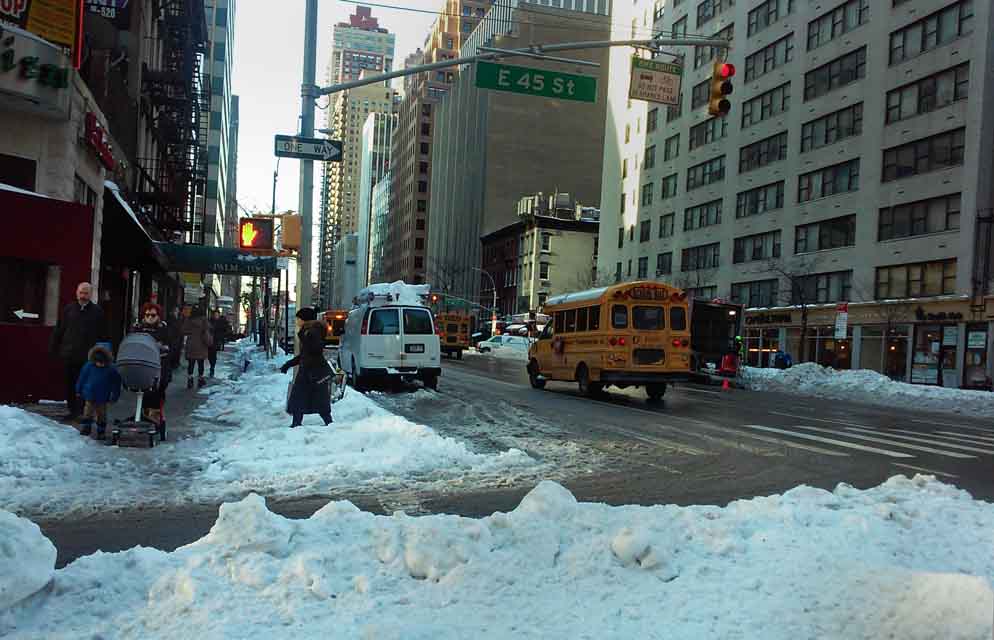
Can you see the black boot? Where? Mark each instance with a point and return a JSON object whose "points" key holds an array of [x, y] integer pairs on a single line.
{"points": [[189, 382], [201, 382], [101, 430], [161, 429], [85, 427]]}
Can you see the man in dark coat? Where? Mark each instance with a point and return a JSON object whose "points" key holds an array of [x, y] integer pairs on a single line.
{"points": [[80, 326], [220, 328], [311, 390]]}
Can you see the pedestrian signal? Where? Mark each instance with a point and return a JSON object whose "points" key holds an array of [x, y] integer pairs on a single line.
{"points": [[255, 234]]}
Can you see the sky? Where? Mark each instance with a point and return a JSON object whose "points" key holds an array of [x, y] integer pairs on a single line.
{"points": [[268, 63]]}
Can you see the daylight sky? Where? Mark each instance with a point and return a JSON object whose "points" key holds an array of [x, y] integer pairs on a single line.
{"points": [[268, 62]]}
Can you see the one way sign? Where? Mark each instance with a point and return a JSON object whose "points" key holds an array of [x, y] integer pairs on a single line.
{"points": [[320, 149]]}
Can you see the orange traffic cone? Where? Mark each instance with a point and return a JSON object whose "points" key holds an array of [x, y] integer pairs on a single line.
{"points": [[724, 385]]}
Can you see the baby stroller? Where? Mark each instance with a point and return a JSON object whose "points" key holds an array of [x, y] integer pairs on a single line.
{"points": [[139, 363]]}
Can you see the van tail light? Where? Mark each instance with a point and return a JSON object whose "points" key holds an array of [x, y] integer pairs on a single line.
{"points": [[676, 343], [613, 341], [621, 341]]}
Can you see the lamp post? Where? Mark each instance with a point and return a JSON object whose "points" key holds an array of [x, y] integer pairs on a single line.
{"points": [[493, 309]]}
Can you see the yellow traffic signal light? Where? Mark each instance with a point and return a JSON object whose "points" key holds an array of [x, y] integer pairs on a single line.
{"points": [[721, 86], [255, 234], [292, 232]]}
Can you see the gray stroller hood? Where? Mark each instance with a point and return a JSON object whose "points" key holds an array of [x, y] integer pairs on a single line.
{"points": [[138, 362]]}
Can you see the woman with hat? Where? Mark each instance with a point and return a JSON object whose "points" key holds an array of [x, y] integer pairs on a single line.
{"points": [[311, 388]]}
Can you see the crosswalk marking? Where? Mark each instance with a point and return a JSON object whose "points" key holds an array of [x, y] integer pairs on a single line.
{"points": [[840, 443], [931, 471], [961, 447], [794, 415], [967, 436], [914, 447], [947, 424], [956, 437]]}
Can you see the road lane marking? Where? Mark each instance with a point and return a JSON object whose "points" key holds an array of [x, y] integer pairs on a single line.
{"points": [[932, 471], [840, 443], [914, 447], [947, 424], [967, 436], [696, 390], [792, 415], [961, 447], [958, 437]]}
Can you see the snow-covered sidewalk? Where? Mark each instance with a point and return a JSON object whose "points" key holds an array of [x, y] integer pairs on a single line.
{"points": [[910, 559], [869, 387], [240, 443]]}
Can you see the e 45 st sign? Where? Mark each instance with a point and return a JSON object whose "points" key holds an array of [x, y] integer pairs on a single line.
{"points": [[536, 82], [255, 234]]}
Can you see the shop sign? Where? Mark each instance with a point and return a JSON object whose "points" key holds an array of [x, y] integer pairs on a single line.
{"points": [[770, 318], [114, 10], [942, 316], [57, 21], [33, 70], [950, 336], [96, 136], [841, 321], [976, 340]]}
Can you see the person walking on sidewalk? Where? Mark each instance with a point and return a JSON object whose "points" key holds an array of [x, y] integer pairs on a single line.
{"points": [[198, 342], [219, 332], [99, 384], [80, 326], [311, 388]]}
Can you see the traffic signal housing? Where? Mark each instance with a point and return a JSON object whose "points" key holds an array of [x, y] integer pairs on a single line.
{"points": [[255, 234], [721, 87]]}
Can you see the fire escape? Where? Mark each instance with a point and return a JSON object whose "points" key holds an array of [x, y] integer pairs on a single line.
{"points": [[176, 103]]}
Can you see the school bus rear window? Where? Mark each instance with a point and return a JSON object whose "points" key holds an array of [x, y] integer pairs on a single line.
{"points": [[648, 318]]}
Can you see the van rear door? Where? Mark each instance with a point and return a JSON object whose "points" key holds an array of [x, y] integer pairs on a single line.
{"points": [[421, 346], [382, 344]]}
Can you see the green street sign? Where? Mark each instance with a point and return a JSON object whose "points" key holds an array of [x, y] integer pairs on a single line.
{"points": [[536, 82]]}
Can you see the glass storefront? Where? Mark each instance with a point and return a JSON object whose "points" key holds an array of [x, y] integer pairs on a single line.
{"points": [[761, 345], [822, 347], [934, 359], [975, 358], [885, 351]]}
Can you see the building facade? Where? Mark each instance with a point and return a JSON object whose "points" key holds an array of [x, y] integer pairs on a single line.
{"points": [[379, 230], [375, 165], [492, 146], [346, 272], [358, 45], [853, 167], [413, 146]]}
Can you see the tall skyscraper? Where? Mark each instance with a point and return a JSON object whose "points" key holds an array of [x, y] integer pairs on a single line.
{"points": [[410, 190], [377, 134], [360, 46]]}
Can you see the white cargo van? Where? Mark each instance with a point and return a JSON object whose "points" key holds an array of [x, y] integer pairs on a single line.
{"points": [[390, 334]]}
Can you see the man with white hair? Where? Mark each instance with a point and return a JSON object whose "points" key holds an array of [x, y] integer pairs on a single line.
{"points": [[81, 325]]}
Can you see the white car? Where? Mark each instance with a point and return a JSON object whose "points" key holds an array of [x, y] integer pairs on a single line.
{"points": [[495, 343], [390, 340]]}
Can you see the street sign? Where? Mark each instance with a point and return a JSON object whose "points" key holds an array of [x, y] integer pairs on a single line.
{"points": [[22, 314], [841, 321], [655, 81], [320, 149], [536, 82]]}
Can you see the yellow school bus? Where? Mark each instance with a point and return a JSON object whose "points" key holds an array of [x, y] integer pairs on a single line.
{"points": [[453, 332], [634, 334], [334, 321]]}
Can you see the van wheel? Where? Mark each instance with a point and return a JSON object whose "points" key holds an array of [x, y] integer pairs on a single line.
{"points": [[431, 382], [587, 387], [656, 391], [358, 382], [534, 377]]}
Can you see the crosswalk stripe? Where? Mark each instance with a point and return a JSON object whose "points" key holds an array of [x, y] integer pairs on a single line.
{"points": [[931, 471], [947, 424], [777, 441], [967, 436], [840, 443], [961, 447], [794, 415], [904, 445]]}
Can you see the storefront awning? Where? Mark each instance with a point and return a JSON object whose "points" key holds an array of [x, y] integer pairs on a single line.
{"points": [[124, 241], [195, 258]]}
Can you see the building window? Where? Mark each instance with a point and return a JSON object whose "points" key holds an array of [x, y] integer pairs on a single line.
{"points": [[829, 129], [628, 133], [423, 167], [664, 263], [705, 173], [621, 237], [762, 153], [422, 206], [679, 29], [759, 246], [759, 200], [646, 194], [821, 287], [838, 21], [651, 120], [758, 293], [425, 148], [671, 148], [704, 55], [916, 280], [669, 186], [769, 58], [674, 111], [922, 156], [543, 270], [426, 110], [766, 105], [546, 241], [666, 225], [934, 30], [645, 230], [839, 178], [837, 73], [919, 218], [703, 215], [623, 198], [419, 262], [643, 268], [650, 158], [708, 9], [827, 234], [624, 168], [929, 94], [419, 224], [767, 13], [707, 256], [425, 129], [700, 94], [617, 272], [708, 131], [23, 286], [18, 172], [419, 244]]}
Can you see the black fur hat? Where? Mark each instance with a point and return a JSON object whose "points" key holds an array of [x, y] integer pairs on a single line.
{"points": [[307, 314]]}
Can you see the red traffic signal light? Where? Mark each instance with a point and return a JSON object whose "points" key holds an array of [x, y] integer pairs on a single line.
{"points": [[721, 86], [255, 234]]}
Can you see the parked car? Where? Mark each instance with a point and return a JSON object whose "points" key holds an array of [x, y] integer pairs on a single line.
{"points": [[517, 343]]}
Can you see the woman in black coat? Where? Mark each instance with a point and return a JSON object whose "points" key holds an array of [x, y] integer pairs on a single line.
{"points": [[311, 390], [154, 401]]}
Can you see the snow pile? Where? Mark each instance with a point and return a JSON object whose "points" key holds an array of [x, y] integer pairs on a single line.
{"points": [[867, 386], [401, 292], [503, 353], [27, 559], [909, 559]]}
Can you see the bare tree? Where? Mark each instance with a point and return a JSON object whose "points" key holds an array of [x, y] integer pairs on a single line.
{"points": [[589, 279], [695, 279], [802, 293], [445, 275]]}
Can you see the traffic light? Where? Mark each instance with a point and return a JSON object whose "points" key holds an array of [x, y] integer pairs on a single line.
{"points": [[721, 86], [255, 234]]}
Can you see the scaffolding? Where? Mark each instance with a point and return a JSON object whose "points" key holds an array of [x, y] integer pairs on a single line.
{"points": [[171, 187]]}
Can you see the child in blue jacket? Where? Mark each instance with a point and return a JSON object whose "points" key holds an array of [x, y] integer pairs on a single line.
{"points": [[99, 383]]}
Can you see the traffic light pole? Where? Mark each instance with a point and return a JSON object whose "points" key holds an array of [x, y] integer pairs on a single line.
{"points": [[308, 92]]}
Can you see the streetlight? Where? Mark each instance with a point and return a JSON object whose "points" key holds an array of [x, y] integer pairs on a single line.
{"points": [[493, 309]]}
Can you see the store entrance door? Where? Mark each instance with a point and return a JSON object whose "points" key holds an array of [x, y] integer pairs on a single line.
{"points": [[935, 355], [975, 358]]}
